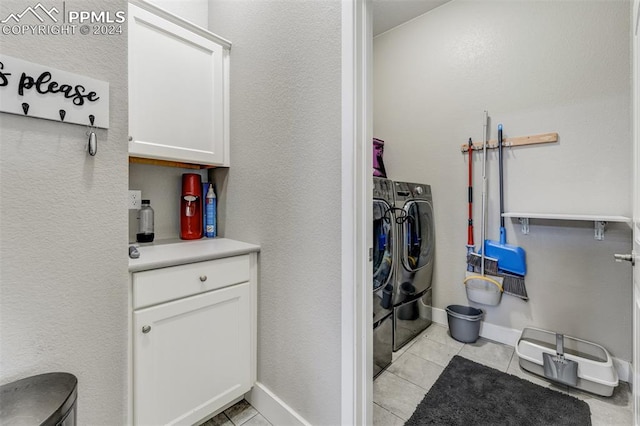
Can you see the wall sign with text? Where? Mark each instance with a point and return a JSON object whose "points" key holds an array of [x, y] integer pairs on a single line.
{"points": [[35, 90]]}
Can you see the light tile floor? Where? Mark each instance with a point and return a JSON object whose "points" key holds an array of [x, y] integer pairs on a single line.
{"points": [[241, 413], [417, 366]]}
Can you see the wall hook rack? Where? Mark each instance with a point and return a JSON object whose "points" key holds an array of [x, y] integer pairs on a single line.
{"points": [[39, 91], [515, 141]]}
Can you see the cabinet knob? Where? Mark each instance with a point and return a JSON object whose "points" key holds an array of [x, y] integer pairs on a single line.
{"points": [[146, 329], [203, 278], [130, 138]]}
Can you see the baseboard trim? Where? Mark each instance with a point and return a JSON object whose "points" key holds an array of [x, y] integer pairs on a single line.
{"points": [[624, 369], [275, 410], [510, 336]]}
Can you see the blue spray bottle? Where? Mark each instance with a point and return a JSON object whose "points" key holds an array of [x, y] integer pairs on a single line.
{"points": [[210, 206]]}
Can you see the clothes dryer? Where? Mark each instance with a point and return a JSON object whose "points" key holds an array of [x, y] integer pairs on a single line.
{"points": [[415, 253], [384, 231]]}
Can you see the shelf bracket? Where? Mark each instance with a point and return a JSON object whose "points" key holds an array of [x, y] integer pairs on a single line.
{"points": [[524, 222], [599, 230]]}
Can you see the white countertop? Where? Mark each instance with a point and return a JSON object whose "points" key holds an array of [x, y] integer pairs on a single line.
{"points": [[163, 253]]}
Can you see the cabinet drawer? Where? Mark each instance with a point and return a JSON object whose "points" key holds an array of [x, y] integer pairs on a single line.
{"points": [[161, 285]]}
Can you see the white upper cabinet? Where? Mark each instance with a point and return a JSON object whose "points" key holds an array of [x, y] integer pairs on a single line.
{"points": [[178, 89]]}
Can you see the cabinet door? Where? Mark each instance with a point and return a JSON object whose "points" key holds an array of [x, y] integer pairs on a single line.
{"points": [[177, 92], [193, 358]]}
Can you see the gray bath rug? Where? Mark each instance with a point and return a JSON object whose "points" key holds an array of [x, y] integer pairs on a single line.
{"points": [[468, 393]]}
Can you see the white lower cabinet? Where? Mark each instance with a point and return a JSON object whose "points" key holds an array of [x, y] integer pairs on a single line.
{"points": [[192, 355]]}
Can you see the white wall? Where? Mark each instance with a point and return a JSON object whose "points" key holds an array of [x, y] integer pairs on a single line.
{"points": [[283, 188], [537, 67], [196, 11], [63, 230]]}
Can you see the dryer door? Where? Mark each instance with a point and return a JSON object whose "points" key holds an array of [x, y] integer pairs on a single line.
{"points": [[382, 244], [419, 235]]}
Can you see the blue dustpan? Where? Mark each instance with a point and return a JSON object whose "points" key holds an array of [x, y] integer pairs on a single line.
{"points": [[510, 258]]}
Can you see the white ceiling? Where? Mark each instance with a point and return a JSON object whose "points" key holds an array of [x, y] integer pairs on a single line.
{"points": [[391, 13]]}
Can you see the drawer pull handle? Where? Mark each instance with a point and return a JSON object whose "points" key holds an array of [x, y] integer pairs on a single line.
{"points": [[203, 278], [146, 329]]}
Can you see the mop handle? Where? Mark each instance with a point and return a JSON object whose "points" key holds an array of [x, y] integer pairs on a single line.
{"points": [[501, 177], [484, 188], [470, 225], [485, 127]]}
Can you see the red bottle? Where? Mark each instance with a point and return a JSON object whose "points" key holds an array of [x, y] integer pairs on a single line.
{"points": [[191, 207]]}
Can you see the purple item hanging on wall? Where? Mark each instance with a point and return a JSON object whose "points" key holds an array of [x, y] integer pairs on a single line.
{"points": [[378, 164]]}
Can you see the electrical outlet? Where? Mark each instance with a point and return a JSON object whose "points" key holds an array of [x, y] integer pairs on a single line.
{"points": [[135, 198]]}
